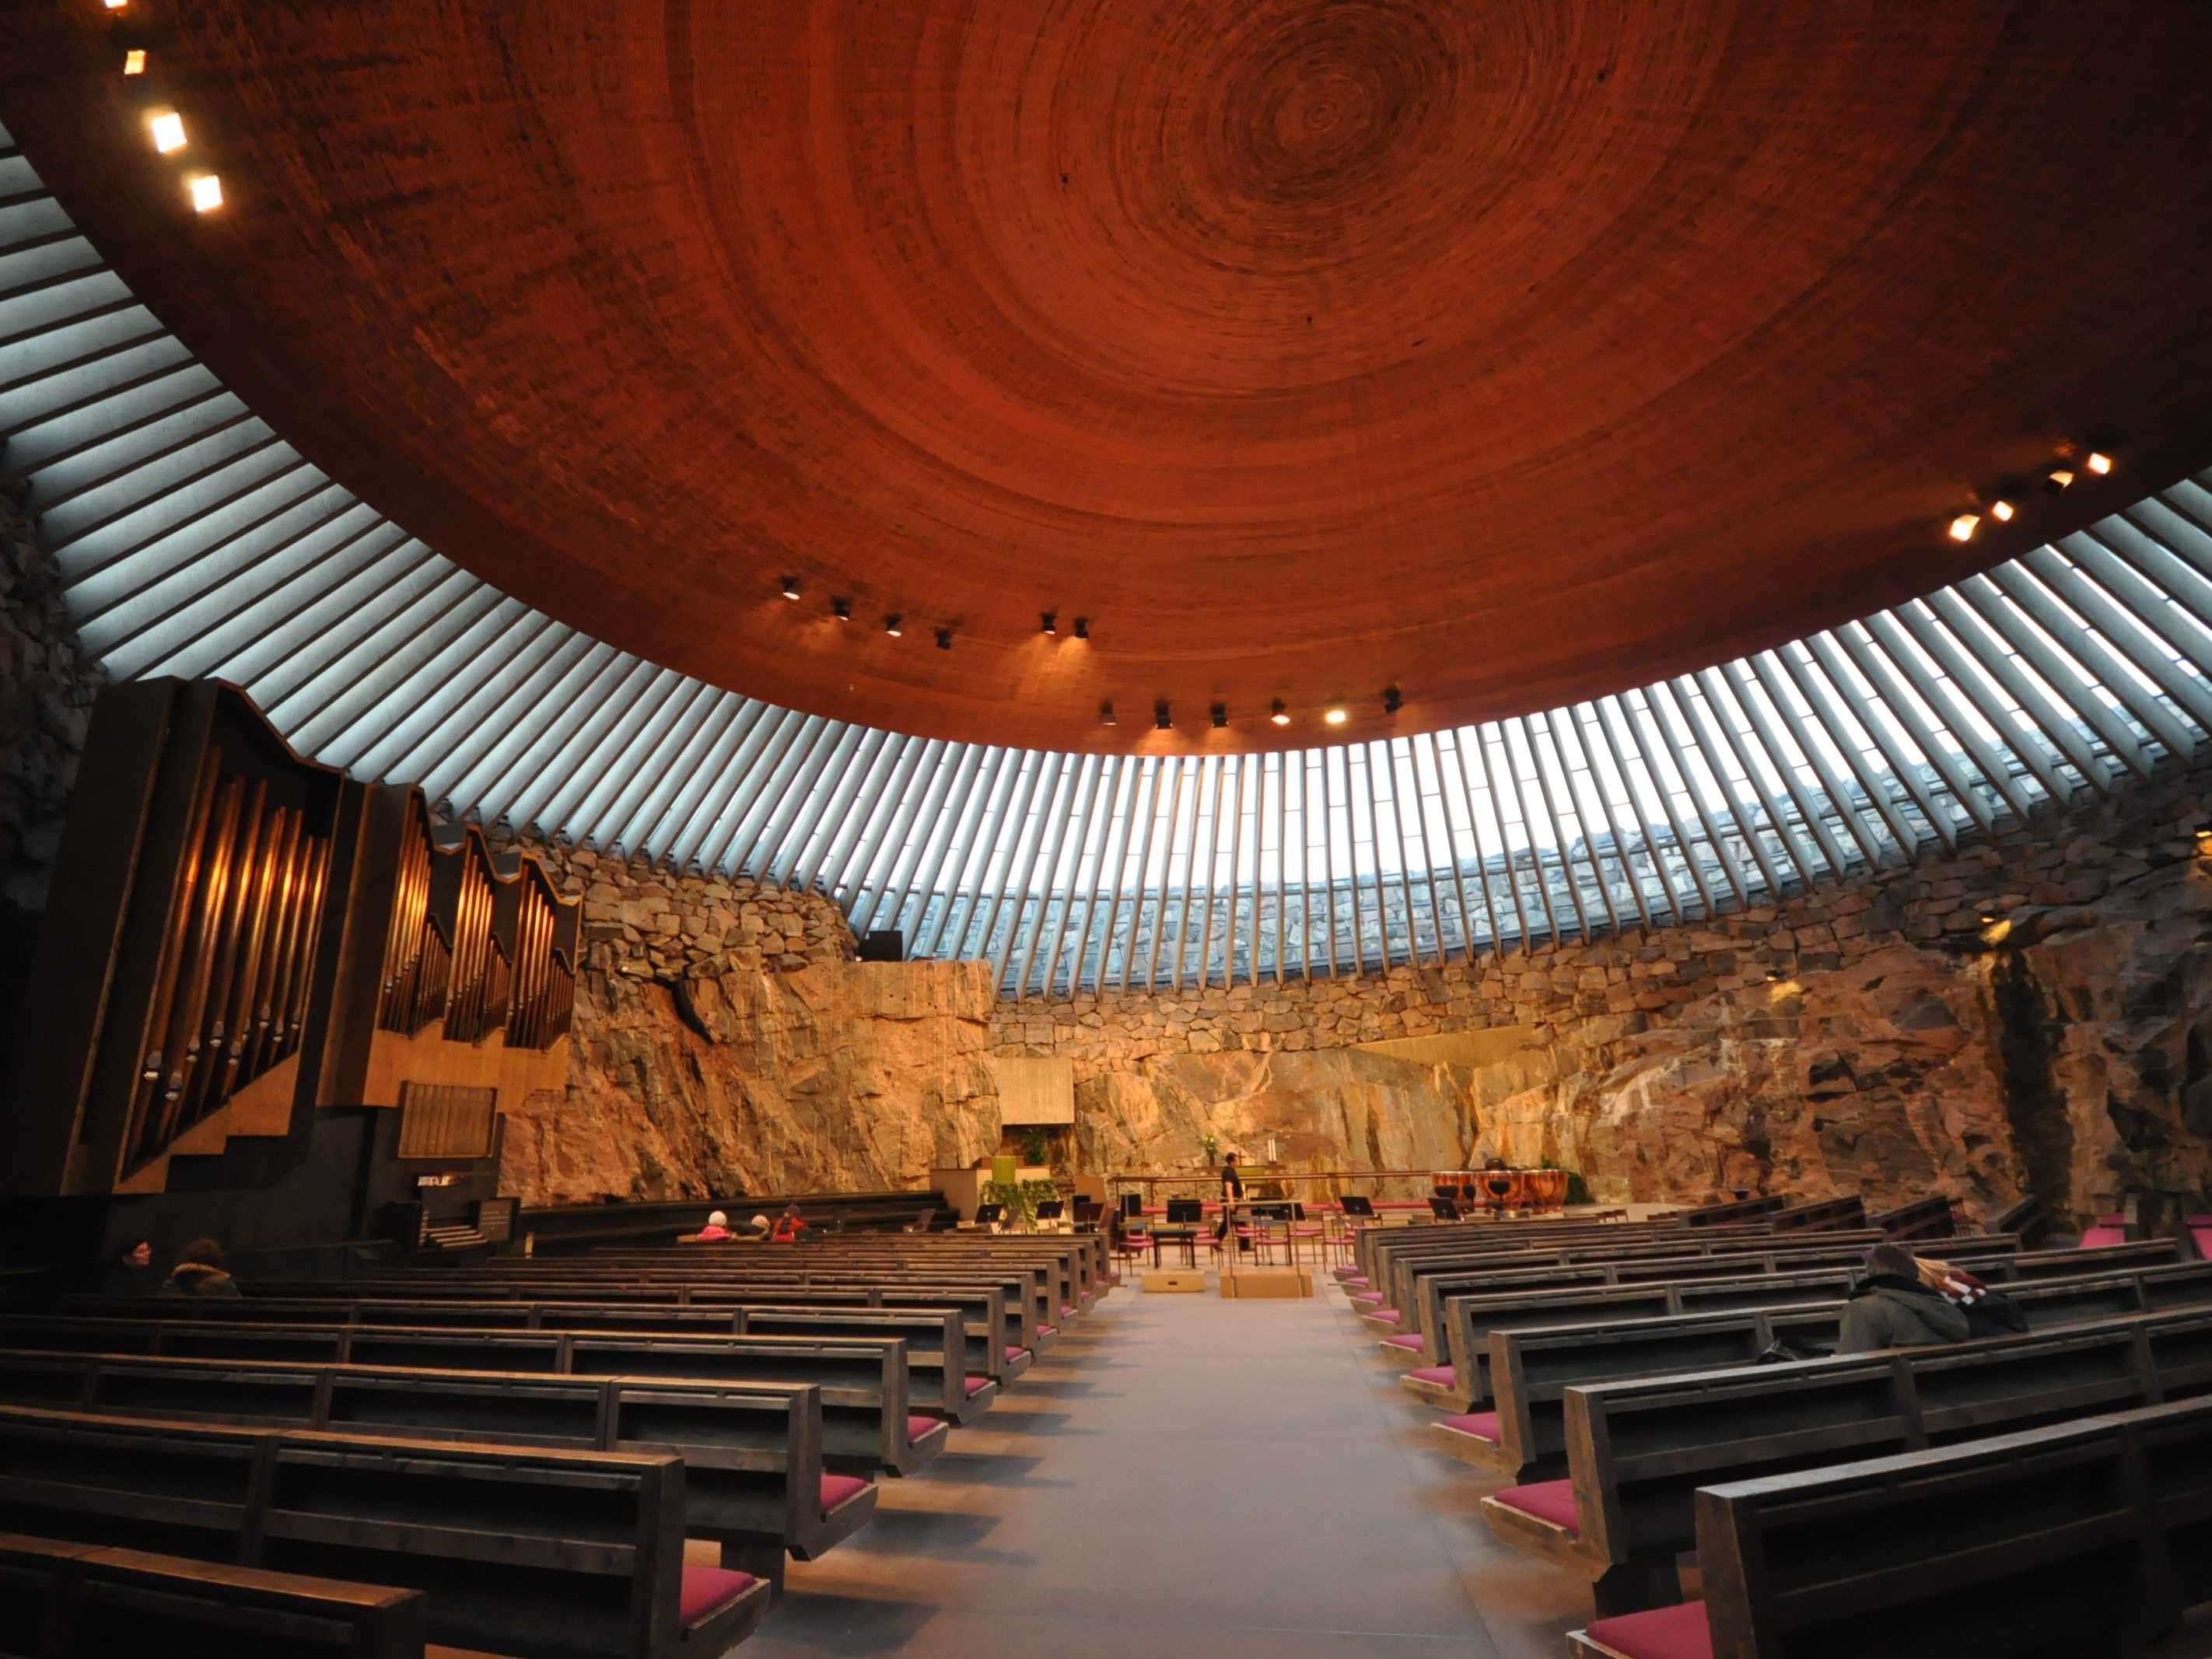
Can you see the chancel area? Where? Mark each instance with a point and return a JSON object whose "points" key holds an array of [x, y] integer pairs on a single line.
{"points": [[1303, 829]]}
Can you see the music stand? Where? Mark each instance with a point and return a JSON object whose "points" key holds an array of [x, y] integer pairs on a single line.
{"points": [[1182, 1212], [988, 1215], [1051, 1209], [1446, 1209], [1357, 1206]]}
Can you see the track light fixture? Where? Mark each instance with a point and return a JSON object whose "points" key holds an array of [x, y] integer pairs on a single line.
{"points": [[1160, 720], [134, 61], [944, 639], [1083, 627], [790, 587], [1281, 716], [1336, 717], [2098, 463], [2059, 478], [892, 624], [2002, 511], [1220, 712], [1393, 700], [1049, 624], [1962, 527], [841, 609], [1105, 713]]}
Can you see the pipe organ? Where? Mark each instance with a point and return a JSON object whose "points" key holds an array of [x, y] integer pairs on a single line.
{"points": [[238, 934]]}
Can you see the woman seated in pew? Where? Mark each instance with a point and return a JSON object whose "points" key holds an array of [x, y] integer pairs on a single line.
{"points": [[200, 1272], [788, 1226], [717, 1228], [1893, 1307]]}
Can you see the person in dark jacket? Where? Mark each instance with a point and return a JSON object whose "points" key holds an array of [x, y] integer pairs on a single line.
{"points": [[200, 1272], [1892, 1308]]}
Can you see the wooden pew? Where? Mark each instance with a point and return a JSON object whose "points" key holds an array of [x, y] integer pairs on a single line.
{"points": [[1523, 1438], [1077, 1260], [69, 1601], [1461, 1383], [752, 1452], [1927, 1217], [1744, 1209], [517, 1550], [867, 1423], [1638, 1450], [1820, 1216], [979, 1353]]}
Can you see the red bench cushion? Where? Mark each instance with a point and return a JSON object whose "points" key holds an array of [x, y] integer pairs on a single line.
{"points": [[919, 1429], [1014, 1354], [1372, 1298], [1066, 1312], [708, 1590], [1433, 1374], [976, 1385], [2098, 1237], [1048, 1330], [1483, 1425], [1659, 1633], [836, 1488], [1547, 1500], [1411, 1342], [1387, 1316]]}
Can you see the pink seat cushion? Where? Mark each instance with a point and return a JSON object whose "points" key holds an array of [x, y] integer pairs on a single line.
{"points": [[1433, 1374], [1387, 1316], [1014, 1354], [919, 1429], [1661, 1633], [1048, 1330], [1370, 1299], [837, 1488], [1066, 1312], [1483, 1425], [976, 1385], [1355, 1279], [1547, 1500], [2096, 1237], [708, 1590], [1410, 1343]]}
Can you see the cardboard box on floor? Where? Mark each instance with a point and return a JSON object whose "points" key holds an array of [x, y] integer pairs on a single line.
{"points": [[1268, 1282]]}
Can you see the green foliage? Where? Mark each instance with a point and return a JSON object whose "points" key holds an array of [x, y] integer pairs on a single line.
{"points": [[1020, 1198], [1037, 1147], [1578, 1190]]}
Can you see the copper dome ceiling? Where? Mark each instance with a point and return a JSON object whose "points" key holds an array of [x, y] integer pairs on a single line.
{"points": [[1506, 353]]}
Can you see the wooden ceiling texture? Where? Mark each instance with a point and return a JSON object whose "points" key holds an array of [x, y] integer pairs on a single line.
{"points": [[1505, 353]]}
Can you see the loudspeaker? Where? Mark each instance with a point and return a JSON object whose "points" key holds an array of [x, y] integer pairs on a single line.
{"points": [[884, 945]]}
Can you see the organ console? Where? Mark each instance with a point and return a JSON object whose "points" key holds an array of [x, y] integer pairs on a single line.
{"points": [[238, 933]]}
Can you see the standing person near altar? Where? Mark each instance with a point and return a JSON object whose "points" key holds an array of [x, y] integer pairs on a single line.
{"points": [[1232, 1194]]}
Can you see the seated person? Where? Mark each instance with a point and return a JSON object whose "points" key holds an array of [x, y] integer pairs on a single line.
{"points": [[788, 1226], [717, 1227], [1892, 1308], [757, 1227], [130, 1273], [200, 1272]]}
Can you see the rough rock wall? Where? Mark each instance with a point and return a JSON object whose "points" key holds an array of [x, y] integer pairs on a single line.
{"points": [[725, 1040], [2035, 1014]]}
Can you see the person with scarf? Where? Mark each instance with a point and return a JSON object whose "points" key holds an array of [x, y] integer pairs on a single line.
{"points": [[1893, 1307]]}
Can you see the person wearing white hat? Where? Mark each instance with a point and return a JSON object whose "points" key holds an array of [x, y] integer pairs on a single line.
{"points": [[717, 1227]]}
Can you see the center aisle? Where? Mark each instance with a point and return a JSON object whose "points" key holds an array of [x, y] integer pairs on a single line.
{"points": [[1186, 1476]]}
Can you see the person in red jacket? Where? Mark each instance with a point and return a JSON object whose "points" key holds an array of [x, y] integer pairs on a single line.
{"points": [[788, 1226]]}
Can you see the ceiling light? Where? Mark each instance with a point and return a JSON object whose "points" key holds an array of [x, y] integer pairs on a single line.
{"points": [[2100, 463], [892, 624], [2003, 511], [207, 193], [1049, 624], [944, 639], [1220, 715], [1281, 716], [1393, 700], [790, 587], [841, 609], [117, 5], [169, 131], [1083, 627], [1105, 713], [1160, 715], [1336, 717], [2057, 479], [1989, 917], [134, 61], [1962, 527]]}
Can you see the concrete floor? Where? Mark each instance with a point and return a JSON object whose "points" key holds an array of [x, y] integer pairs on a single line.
{"points": [[1184, 1475]]}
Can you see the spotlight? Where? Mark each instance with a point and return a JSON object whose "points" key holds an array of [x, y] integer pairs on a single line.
{"points": [[1049, 624], [944, 639], [2002, 511], [1083, 627], [117, 5], [1220, 715], [1105, 713], [2099, 463], [207, 193], [791, 587], [1393, 700], [1962, 527], [2057, 479], [1988, 918], [134, 61], [841, 609], [1281, 716], [169, 131], [892, 624], [1773, 974], [1160, 720], [1336, 717]]}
